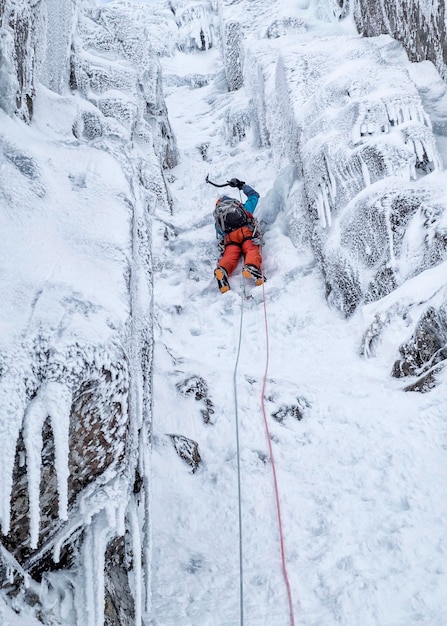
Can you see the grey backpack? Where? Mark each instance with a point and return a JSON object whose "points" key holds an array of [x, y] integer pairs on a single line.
{"points": [[230, 215]]}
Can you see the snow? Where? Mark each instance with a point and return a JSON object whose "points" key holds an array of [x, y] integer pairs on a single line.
{"points": [[9, 618], [360, 475], [60, 282], [360, 463]]}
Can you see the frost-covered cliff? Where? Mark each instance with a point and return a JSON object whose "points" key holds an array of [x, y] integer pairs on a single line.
{"points": [[418, 24], [373, 177], [78, 183]]}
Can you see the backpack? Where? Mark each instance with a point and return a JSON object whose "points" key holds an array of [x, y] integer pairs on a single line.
{"points": [[230, 215]]}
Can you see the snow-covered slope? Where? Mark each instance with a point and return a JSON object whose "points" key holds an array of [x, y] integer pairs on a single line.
{"points": [[360, 464]]}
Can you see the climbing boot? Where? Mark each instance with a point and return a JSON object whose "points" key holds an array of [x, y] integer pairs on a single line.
{"points": [[221, 276], [251, 271]]}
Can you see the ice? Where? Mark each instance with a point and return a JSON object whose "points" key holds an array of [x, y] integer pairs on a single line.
{"points": [[90, 601], [12, 399], [60, 17], [233, 55], [36, 413], [138, 575], [195, 24]]}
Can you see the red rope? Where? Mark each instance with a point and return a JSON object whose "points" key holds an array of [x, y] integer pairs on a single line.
{"points": [[278, 506]]}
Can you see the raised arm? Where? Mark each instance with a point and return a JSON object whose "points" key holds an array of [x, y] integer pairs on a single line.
{"points": [[252, 198]]}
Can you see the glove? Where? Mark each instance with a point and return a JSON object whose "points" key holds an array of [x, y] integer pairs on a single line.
{"points": [[235, 182]]}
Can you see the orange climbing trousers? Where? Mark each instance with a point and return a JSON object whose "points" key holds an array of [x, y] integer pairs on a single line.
{"points": [[239, 242]]}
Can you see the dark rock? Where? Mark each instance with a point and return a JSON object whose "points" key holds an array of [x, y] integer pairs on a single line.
{"points": [[426, 348], [233, 53], [427, 382], [119, 606], [406, 21], [196, 386], [188, 450], [296, 411]]}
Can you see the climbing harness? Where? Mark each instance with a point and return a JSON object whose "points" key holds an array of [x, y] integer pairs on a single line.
{"points": [[275, 480]]}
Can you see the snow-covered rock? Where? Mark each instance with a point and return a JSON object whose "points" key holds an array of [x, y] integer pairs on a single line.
{"points": [[22, 24], [368, 156], [78, 185], [418, 24]]}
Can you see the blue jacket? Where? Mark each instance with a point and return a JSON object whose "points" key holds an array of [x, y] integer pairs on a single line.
{"points": [[249, 204], [252, 198]]}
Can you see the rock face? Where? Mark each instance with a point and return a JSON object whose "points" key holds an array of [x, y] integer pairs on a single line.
{"points": [[417, 24], [75, 361], [421, 28], [364, 145], [22, 24]]}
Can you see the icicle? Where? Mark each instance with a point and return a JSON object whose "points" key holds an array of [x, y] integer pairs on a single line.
{"points": [[57, 551], [319, 203], [86, 606], [355, 133], [120, 519], [100, 534], [52, 400], [86, 596], [387, 206], [35, 417], [406, 116], [388, 108], [90, 594], [418, 149], [365, 172], [332, 183], [432, 154], [59, 405], [12, 405], [10, 574], [137, 569], [145, 506], [326, 204]]}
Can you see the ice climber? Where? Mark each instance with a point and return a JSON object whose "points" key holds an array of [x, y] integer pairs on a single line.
{"points": [[238, 234]]}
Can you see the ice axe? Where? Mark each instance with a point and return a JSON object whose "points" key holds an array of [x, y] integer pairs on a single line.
{"points": [[215, 184]]}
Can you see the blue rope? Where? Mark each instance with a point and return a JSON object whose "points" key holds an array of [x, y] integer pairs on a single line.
{"points": [[241, 567]]}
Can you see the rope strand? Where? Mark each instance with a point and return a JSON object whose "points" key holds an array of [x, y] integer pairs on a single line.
{"points": [[236, 413], [275, 480]]}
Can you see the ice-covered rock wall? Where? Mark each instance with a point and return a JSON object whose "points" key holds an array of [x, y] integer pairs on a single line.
{"points": [[354, 124], [84, 142], [360, 137], [21, 26], [418, 24]]}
